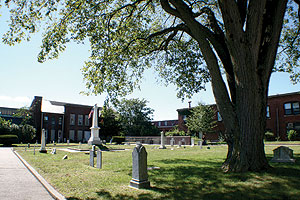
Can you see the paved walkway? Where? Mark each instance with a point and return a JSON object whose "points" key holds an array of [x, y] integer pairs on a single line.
{"points": [[16, 181]]}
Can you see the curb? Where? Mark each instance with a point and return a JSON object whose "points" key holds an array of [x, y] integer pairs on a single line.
{"points": [[54, 193]]}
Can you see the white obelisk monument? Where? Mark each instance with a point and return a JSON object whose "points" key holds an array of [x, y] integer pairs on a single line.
{"points": [[94, 139], [43, 142]]}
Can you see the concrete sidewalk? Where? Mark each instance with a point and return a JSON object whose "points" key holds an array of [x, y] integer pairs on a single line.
{"points": [[16, 181]]}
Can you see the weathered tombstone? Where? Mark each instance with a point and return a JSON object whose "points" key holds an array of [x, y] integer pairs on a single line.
{"points": [[43, 142], [28, 145], [162, 141], [25, 149], [283, 154], [179, 143], [200, 144], [34, 150], [99, 159], [192, 142], [53, 151], [68, 142], [139, 168], [65, 157], [183, 141], [172, 142], [91, 158]]}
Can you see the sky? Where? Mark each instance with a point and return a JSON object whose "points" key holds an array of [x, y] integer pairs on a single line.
{"points": [[22, 78]]}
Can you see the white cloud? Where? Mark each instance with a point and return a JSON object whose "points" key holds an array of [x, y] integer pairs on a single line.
{"points": [[19, 101]]}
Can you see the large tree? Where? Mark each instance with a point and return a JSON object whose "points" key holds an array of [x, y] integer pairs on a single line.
{"points": [[135, 117], [188, 42]]}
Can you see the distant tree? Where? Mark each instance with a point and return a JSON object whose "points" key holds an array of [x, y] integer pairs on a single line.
{"points": [[175, 131], [201, 120], [25, 114], [109, 122], [136, 118]]}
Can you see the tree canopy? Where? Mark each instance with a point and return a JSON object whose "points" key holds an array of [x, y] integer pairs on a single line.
{"points": [[202, 119], [135, 117], [233, 44]]}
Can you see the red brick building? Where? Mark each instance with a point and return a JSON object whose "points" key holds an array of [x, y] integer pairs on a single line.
{"points": [[283, 114], [62, 121], [165, 125], [218, 130]]}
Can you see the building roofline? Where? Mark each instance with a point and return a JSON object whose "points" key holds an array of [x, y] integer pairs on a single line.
{"points": [[285, 94]]}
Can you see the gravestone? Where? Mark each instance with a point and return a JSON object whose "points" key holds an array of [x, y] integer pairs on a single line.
{"points": [[53, 151], [192, 142], [28, 145], [91, 158], [99, 159], [179, 143], [172, 142], [183, 141], [34, 150], [65, 157], [200, 144], [94, 139], [68, 142], [162, 141], [139, 168], [283, 154], [43, 142]]}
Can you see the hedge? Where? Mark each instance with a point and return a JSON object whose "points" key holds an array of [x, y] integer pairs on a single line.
{"points": [[8, 140]]}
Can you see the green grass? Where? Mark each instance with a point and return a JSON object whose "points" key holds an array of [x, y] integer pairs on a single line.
{"points": [[185, 173]]}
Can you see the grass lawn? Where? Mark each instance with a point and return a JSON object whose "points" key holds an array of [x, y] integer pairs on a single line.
{"points": [[185, 173]]}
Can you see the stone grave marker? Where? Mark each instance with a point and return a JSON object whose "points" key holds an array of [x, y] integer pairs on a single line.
{"points": [[172, 142], [179, 143], [200, 144], [99, 159], [91, 158], [283, 154], [43, 142], [53, 151], [139, 168], [162, 141], [192, 142]]}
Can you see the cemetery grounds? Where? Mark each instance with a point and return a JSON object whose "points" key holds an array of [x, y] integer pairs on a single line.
{"points": [[175, 173]]}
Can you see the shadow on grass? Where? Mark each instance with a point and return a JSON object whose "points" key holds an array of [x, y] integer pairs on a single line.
{"points": [[190, 179]]}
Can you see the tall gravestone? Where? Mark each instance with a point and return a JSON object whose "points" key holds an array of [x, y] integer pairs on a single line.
{"points": [[192, 142], [139, 168], [99, 159], [172, 142], [162, 141], [43, 142], [94, 139]]}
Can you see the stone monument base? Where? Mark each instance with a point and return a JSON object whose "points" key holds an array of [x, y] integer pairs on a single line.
{"points": [[139, 184], [95, 142], [43, 151]]}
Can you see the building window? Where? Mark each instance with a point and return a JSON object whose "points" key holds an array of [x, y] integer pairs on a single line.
{"points": [[291, 108], [80, 120], [219, 117], [159, 123], [53, 120], [268, 112], [86, 120], [60, 120], [166, 123], [72, 119], [45, 119]]}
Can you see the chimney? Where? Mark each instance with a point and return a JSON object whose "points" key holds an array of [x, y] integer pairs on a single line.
{"points": [[190, 104]]}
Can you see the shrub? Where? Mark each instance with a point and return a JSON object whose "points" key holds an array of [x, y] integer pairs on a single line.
{"points": [[118, 139], [8, 140], [269, 136], [292, 135]]}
